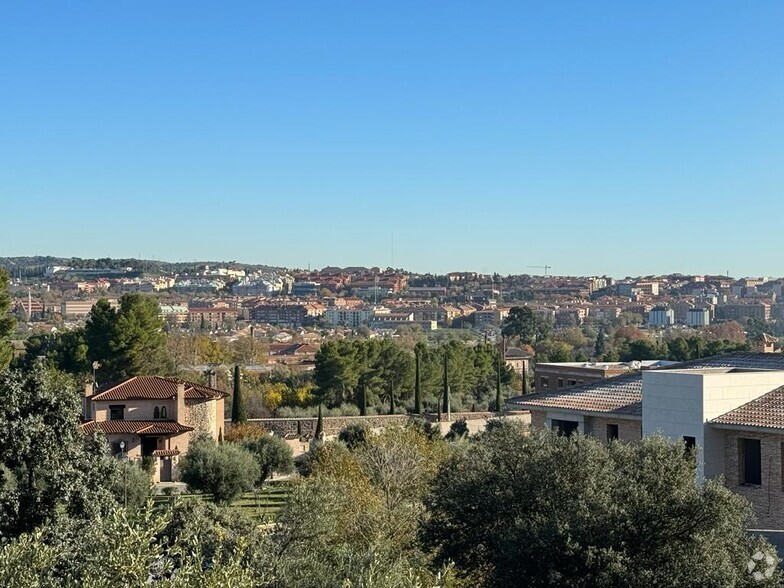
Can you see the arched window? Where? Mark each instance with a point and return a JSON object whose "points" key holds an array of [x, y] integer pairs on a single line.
{"points": [[163, 412], [156, 414]]}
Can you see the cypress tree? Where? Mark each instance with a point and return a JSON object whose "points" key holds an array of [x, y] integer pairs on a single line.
{"points": [[446, 384], [362, 397], [391, 399], [239, 413], [417, 386], [498, 387], [319, 423]]}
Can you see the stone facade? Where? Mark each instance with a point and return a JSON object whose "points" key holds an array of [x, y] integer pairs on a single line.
{"points": [[628, 430], [768, 498]]}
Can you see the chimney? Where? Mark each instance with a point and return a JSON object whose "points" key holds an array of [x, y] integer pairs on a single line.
{"points": [[87, 403], [179, 414], [213, 378]]}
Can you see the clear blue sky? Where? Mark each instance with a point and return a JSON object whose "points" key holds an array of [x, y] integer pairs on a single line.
{"points": [[596, 137]]}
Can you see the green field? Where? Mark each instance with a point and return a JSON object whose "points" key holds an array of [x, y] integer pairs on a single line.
{"points": [[262, 506]]}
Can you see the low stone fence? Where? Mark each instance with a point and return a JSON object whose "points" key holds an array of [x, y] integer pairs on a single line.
{"points": [[306, 426]]}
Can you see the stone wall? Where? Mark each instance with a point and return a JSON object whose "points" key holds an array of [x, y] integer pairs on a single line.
{"points": [[333, 425], [767, 499]]}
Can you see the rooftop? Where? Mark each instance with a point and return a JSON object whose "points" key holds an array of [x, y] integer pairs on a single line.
{"points": [[157, 388], [622, 395]]}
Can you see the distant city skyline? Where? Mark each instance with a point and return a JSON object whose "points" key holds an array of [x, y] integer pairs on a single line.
{"points": [[532, 270], [632, 140]]}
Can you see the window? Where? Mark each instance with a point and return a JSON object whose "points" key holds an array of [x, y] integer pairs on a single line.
{"points": [[565, 428], [690, 443], [612, 432], [163, 412], [156, 413], [544, 382], [116, 412], [572, 382], [750, 462], [116, 448], [560, 382]]}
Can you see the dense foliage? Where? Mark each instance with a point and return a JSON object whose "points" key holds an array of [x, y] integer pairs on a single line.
{"points": [[518, 509], [7, 322], [375, 372]]}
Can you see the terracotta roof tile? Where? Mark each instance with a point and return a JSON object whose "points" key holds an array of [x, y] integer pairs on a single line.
{"points": [[165, 452], [157, 388], [135, 427], [623, 394], [766, 411]]}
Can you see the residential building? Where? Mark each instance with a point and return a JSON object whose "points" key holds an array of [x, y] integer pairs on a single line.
{"points": [[155, 418], [560, 375], [348, 317], [661, 317], [729, 408], [81, 308], [698, 317]]}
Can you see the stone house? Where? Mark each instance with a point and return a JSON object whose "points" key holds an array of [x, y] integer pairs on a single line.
{"points": [[154, 417]]}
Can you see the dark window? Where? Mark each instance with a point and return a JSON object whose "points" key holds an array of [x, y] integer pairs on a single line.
{"points": [[560, 382], [564, 427], [572, 382], [116, 412], [156, 413], [163, 412], [116, 449], [690, 443], [612, 432], [750, 461], [544, 382]]}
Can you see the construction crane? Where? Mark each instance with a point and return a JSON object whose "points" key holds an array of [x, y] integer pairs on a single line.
{"points": [[544, 267]]}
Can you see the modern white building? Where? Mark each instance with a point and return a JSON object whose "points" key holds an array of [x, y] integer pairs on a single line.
{"points": [[661, 317], [698, 317]]}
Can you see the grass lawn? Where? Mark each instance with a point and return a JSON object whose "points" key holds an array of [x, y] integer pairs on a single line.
{"points": [[262, 506]]}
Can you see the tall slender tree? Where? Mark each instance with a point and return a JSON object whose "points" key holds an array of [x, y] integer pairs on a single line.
{"points": [[362, 397], [417, 383], [498, 386], [7, 323], [239, 413], [319, 423], [445, 407], [391, 399]]}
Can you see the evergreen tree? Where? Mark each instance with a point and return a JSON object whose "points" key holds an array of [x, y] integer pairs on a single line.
{"points": [[391, 399], [319, 423], [498, 405], [418, 384], [598, 350], [446, 383], [362, 397], [7, 323], [239, 413]]}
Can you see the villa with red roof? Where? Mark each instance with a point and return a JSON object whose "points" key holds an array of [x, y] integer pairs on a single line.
{"points": [[729, 408], [154, 417]]}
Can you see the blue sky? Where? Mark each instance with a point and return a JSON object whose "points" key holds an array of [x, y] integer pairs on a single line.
{"points": [[595, 137]]}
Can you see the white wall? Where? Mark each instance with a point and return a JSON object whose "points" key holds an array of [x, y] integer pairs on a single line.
{"points": [[678, 403]]}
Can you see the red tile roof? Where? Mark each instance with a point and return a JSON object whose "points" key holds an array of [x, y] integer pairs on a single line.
{"points": [[135, 427], [622, 395], [766, 412], [157, 388], [165, 452]]}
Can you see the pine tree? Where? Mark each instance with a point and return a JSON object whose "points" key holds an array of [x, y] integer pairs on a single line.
{"points": [[239, 413], [418, 385]]}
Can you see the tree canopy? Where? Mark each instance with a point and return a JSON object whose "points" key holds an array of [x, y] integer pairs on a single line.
{"points": [[7, 323], [537, 509], [129, 341]]}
